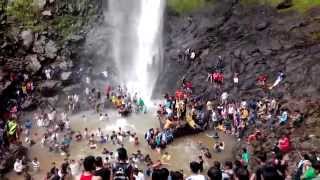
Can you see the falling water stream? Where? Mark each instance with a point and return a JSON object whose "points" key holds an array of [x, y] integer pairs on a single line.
{"points": [[137, 42]]}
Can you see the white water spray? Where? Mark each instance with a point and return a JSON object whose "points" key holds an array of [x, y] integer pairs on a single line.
{"points": [[137, 43]]}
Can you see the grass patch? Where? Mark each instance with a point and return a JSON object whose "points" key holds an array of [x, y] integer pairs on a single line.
{"points": [[299, 5], [315, 36], [23, 11], [183, 6], [66, 24]]}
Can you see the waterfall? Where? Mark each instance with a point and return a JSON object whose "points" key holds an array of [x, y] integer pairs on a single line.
{"points": [[137, 42]]}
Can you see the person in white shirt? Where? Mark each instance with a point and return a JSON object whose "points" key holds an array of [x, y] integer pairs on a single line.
{"points": [[88, 80], [236, 79], [214, 118], [52, 115], [224, 97], [18, 166], [67, 125], [64, 116], [103, 117], [137, 174], [99, 133], [87, 91], [74, 168], [105, 74], [195, 168], [209, 106], [192, 55], [48, 73]]}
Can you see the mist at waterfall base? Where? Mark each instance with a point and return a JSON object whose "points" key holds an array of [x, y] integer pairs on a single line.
{"points": [[137, 43]]}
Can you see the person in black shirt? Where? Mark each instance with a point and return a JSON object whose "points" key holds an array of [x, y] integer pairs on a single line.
{"points": [[201, 163], [104, 173], [266, 171]]}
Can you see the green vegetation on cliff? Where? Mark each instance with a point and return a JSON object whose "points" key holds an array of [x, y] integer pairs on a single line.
{"points": [[67, 16], [24, 12], [182, 6], [299, 5]]}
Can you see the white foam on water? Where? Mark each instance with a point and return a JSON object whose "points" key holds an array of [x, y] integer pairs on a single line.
{"points": [[120, 123]]}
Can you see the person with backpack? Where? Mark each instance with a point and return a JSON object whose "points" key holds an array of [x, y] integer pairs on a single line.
{"points": [[122, 170]]}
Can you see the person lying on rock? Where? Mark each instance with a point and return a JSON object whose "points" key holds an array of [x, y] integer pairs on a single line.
{"points": [[280, 77]]}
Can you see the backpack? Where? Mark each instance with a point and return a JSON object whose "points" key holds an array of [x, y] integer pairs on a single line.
{"points": [[121, 171]]}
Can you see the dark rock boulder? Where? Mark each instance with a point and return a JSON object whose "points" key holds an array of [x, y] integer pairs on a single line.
{"points": [[27, 38], [66, 76], [49, 88], [51, 50], [285, 4], [262, 26], [33, 65], [39, 45]]}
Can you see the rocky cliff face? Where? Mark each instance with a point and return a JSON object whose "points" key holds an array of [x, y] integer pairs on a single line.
{"points": [[41, 34], [252, 40]]}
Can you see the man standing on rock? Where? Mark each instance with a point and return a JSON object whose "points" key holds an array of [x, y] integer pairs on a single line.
{"points": [[236, 80], [48, 73]]}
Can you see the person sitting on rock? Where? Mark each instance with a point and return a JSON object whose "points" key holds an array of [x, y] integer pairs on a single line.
{"points": [[48, 73], [283, 118], [297, 118], [224, 97], [284, 144], [236, 79], [262, 80]]}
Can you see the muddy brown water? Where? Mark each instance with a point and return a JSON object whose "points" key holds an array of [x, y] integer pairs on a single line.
{"points": [[183, 150]]}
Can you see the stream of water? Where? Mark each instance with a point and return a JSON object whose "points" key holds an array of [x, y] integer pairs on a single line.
{"points": [[137, 42]]}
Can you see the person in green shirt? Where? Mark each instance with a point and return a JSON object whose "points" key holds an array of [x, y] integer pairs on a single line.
{"points": [[308, 171], [11, 129], [245, 156]]}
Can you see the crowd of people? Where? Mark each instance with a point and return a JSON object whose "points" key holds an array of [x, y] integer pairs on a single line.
{"points": [[184, 110]]}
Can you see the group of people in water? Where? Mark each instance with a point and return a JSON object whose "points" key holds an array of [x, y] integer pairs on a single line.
{"points": [[181, 113]]}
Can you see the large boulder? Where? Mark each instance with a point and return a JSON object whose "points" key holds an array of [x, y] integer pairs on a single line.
{"points": [[27, 38], [33, 65], [47, 13], [285, 4], [39, 45], [49, 88], [40, 3], [65, 76], [51, 50]]}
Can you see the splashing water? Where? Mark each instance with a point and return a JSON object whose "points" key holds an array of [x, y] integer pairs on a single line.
{"points": [[137, 43], [120, 123]]}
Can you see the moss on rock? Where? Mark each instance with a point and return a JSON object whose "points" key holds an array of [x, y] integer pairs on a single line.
{"points": [[183, 6], [24, 12], [299, 5]]}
